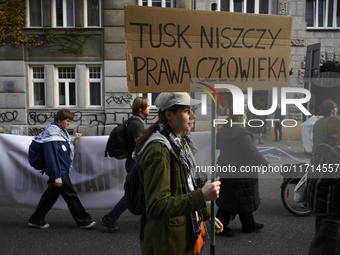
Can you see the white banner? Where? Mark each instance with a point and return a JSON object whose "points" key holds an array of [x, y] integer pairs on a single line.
{"points": [[97, 180]]}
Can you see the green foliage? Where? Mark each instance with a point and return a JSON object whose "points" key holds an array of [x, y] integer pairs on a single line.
{"points": [[72, 41], [11, 21], [12, 16]]}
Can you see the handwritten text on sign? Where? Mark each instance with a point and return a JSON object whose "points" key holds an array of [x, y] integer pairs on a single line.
{"points": [[166, 48]]}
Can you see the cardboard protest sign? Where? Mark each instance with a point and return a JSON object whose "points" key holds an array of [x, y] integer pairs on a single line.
{"points": [[167, 48]]}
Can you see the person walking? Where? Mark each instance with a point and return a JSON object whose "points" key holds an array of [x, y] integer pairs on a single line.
{"points": [[326, 109], [135, 129], [323, 191], [278, 123], [175, 208], [58, 152], [260, 127], [239, 191]]}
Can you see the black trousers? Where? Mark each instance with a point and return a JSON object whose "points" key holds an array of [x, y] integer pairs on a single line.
{"points": [[51, 195], [278, 127], [247, 219], [121, 206], [327, 236]]}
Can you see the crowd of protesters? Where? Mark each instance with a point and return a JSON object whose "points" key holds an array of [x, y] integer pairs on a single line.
{"points": [[175, 196]]}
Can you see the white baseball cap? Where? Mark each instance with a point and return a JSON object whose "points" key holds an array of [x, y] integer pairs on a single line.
{"points": [[167, 99]]}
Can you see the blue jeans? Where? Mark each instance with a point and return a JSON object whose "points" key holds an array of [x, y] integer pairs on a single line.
{"points": [[259, 135]]}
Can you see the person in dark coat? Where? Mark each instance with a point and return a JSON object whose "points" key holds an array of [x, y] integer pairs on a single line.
{"points": [[327, 109], [278, 123], [135, 129], [239, 192], [323, 191]]}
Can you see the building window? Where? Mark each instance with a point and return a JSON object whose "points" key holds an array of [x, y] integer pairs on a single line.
{"points": [[157, 3], [63, 13], [323, 13], [246, 6], [94, 86], [34, 13], [151, 97], [92, 13], [38, 85], [66, 86]]}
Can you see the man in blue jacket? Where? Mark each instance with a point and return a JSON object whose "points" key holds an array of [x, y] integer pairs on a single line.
{"points": [[58, 152]]}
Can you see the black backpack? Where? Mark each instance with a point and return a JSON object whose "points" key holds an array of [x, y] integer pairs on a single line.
{"points": [[134, 196], [36, 157], [134, 192], [117, 144]]}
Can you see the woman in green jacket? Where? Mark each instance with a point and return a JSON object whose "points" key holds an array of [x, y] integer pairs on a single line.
{"points": [[175, 208]]}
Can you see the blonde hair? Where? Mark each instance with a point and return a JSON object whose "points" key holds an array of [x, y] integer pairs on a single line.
{"points": [[332, 124]]}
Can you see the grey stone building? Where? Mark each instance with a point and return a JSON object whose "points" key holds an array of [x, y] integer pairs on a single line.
{"points": [[86, 71]]}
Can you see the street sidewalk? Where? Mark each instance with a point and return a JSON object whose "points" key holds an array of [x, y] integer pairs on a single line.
{"points": [[294, 148]]}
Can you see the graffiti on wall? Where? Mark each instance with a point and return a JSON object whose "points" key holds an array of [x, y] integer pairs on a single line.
{"points": [[35, 131], [34, 118], [18, 130], [118, 100], [8, 116], [99, 121]]}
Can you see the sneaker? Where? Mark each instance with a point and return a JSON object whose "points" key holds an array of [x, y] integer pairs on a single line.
{"points": [[261, 143], [275, 140], [256, 227], [90, 225], [112, 227], [227, 232], [304, 205], [44, 225]]}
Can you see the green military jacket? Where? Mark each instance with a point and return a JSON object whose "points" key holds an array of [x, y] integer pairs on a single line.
{"points": [[168, 229]]}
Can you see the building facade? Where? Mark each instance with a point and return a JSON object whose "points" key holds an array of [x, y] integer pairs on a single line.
{"points": [[83, 66], [314, 22]]}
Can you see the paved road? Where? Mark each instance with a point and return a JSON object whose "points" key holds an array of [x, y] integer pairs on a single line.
{"points": [[284, 233]]}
